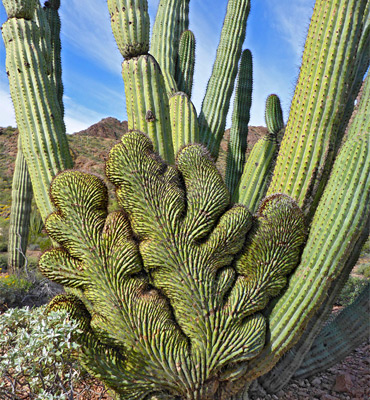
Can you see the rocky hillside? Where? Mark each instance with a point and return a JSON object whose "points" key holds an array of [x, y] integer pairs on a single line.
{"points": [[89, 149]]}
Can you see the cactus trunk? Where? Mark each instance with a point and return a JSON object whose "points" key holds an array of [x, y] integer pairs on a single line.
{"points": [[20, 213]]}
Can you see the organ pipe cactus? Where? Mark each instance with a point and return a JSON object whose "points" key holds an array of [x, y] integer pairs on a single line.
{"points": [[35, 97], [173, 292], [20, 213]]}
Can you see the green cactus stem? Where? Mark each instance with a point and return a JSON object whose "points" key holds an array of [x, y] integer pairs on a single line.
{"points": [[342, 216], [52, 15], [20, 8], [147, 102], [274, 114], [46, 49], [130, 25], [184, 121], [284, 370], [215, 106], [171, 21], [20, 213], [160, 301], [239, 122], [257, 171], [184, 71], [38, 114], [338, 338], [328, 70]]}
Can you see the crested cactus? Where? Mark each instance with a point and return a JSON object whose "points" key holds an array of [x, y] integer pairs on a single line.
{"points": [[179, 271], [175, 292]]}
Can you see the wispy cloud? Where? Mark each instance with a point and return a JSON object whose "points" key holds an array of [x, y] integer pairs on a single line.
{"points": [[292, 26], [86, 27], [78, 118]]}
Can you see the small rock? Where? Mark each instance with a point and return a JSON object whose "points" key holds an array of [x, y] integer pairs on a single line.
{"points": [[329, 397], [343, 383], [316, 382]]}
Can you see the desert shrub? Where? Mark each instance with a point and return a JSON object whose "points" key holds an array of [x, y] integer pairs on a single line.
{"points": [[3, 261], [13, 289], [364, 269], [366, 249], [351, 290], [27, 287], [37, 237], [37, 357]]}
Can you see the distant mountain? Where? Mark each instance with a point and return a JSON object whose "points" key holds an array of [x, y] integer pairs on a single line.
{"points": [[89, 149]]}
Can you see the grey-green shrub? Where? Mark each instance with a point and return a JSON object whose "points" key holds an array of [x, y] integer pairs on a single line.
{"points": [[36, 351]]}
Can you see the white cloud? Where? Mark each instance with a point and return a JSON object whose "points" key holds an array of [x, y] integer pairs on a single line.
{"points": [[291, 20], [86, 26]]}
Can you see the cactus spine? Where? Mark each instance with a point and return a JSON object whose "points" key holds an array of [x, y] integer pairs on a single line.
{"points": [[20, 213]]}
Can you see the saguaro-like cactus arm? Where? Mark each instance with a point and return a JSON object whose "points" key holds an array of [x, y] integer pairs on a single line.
{"points": [[340, 220], [215, 106], [280, 375], [171, 21], [50, 9], [239, 122], [274, 114], [307, 150], [130, 25], [257, 171], [184, 72], [20, 212], [338, 338], [147, 102], [146, 97], [37, 110], [184, 121]]}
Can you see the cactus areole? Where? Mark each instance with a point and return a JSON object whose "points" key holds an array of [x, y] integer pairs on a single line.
{"points": [[194, 287]]}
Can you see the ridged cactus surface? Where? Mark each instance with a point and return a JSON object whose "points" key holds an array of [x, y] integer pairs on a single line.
{"points": [[156, 278], [239, 122], [20, 212], [36, 104], [130, 26]]}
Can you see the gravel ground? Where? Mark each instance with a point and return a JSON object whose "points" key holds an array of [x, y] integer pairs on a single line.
{"points": [[347, 380]]}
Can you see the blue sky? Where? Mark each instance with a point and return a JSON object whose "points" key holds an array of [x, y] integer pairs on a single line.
{"points": [[93, 86]]}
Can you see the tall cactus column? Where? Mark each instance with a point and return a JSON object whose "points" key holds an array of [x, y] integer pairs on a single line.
{"points": [[215, 106], [146, 97], [51, 8], [328, 71], [20, 212], [36, 105]]}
